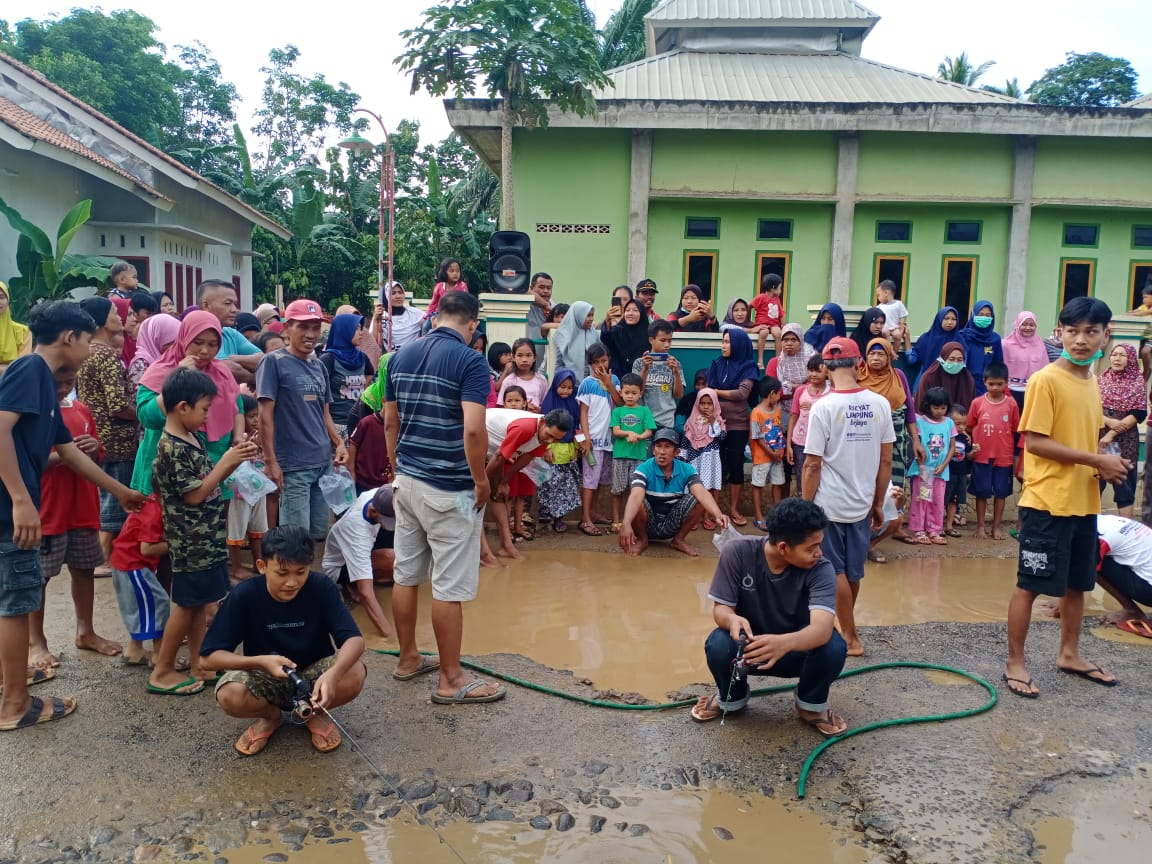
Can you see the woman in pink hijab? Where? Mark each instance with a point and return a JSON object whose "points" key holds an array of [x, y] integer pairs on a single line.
{"points": [[156, 334], [197, 342], [1024, 354]]}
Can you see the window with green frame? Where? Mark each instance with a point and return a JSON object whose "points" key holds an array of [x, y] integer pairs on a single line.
{"points": [[963, 231], [698, 227]]}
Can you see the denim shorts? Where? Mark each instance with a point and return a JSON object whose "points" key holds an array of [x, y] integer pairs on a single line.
{"points": [[846, 546], [302, 503], [21, 579]]}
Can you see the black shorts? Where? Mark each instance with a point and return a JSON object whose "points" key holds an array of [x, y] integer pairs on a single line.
{"points": [[200, 587], [732, 447], [956, 490], [1126, 582], [1056, 553]]}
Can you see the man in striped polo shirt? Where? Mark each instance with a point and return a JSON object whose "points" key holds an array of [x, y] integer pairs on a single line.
{"points": [[436, 394]]}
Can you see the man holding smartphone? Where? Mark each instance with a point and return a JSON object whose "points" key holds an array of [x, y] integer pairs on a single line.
{"points": [[541, 289]]}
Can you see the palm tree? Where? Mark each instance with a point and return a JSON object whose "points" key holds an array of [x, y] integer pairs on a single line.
{"points": [[960, 70], [622, 37], [531, 54], [1011, 88]]}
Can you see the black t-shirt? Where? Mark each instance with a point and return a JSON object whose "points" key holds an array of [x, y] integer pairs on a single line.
{"points": [[772, 602], [961, 466], [303, 629], [28, 388]]}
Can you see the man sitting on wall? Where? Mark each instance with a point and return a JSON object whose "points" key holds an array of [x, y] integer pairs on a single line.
{"points": [[666, 500]]}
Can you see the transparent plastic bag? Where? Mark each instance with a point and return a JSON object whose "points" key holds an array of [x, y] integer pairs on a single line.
{"points": [[538, 471], [338, 489], [926, 478], [250, 483], [722, 538]]}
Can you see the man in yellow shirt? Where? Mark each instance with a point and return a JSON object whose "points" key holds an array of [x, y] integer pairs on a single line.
{"points": [[1061, 425]]}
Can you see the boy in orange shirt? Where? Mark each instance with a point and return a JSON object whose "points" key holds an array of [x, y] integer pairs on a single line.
{"points": [[767, 443], [992, 423]]}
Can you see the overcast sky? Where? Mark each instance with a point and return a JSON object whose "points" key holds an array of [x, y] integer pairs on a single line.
{"points": [[1024, 37]]}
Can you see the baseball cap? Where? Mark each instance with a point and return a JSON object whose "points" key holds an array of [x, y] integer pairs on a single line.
{"points": [[840, 348], [666, 434], [646, 285], [246, 321], [303, 310], [385, 512]]}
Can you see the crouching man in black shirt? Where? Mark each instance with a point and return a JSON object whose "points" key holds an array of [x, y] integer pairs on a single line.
{"points": [[286, 616], [779, 594]]}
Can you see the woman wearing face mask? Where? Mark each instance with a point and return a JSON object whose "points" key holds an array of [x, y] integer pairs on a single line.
{"points": [[1124, 396], [1024, 354], [981, 342], [949, 373], [926, 349]]}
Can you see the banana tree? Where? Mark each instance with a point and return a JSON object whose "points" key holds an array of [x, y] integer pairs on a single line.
{"points": [[48, 273]]}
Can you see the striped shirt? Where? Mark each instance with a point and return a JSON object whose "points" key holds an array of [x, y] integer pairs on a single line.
{"points": [[429, 380]]}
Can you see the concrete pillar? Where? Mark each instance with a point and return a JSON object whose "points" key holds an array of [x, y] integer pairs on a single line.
{"points": [[640, 183], [845, 219], [1016, 268]]}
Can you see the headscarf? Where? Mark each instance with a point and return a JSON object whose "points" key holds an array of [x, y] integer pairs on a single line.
{"points": [[819, 334], [961, 387], [552, 401], [340, 335], [697, 430], [726, 373], [1127, 390], [627, 342], [264, 312], [223, 410], [572, 341], [123, 310], [729, 322], [863, 335], [792, 370], [981, 346], [1023, 355], [883, 382], [373, 395], [246, 321], [188, 310], [12, 334], [155, 332], [708, 324], [932, 340]]}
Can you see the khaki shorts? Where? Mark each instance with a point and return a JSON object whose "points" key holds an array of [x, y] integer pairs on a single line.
{"points": [[276, 691], [435, 540]]}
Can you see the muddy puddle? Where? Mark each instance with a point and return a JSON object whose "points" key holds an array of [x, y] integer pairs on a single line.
{"points": [[1110, 823], [662, 827], [606, 618]]}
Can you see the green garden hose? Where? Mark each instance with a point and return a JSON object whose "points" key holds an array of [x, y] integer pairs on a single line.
{"points": [[802, 781]]}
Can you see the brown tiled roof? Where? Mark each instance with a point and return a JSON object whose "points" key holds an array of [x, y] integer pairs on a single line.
{"points": [[31, 126], [257, 216]]}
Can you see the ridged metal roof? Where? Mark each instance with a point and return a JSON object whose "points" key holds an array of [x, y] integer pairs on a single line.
{"points": [[816, 11], [817, 78], [1142, 102]]}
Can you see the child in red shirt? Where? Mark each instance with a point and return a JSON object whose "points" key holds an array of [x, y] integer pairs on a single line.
{"points": [[143, 602], [368, 461], [993, 420], [769, 311], [70, 526]]}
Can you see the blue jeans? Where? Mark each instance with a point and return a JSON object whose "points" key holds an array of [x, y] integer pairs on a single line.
{"points": [[816, 669], [302, 503]]}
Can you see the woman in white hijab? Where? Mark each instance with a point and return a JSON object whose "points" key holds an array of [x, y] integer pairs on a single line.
{"points": [[574, 336]]}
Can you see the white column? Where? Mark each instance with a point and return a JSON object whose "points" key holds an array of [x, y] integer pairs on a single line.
{"points": [[1016, 268], [844, 221], [640, 183]]}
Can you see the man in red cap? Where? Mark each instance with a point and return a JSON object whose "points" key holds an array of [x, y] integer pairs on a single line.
{"points": [[300, 440], [847, 466]]}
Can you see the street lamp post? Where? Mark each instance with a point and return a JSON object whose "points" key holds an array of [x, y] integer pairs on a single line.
{"points": [[386, 246]]}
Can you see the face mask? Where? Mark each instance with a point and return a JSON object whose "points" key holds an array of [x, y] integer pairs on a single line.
{"points": [[1066, 356], [951, 368], [983, 321]]}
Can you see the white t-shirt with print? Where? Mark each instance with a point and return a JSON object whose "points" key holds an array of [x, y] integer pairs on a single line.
{"points": [[593, 394], [1129, 543], [350, 542]]}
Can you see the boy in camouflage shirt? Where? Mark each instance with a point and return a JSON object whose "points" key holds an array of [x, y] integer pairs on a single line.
{"points": [[188, 487]]}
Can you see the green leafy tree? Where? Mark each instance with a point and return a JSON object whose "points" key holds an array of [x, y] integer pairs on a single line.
{"points": [[960, 69], [50, 272], [207, 109], [622, 37], [531, 54], [1091, 80]]}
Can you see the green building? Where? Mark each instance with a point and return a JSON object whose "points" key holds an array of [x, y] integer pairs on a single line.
{"points": [[754, 138]]}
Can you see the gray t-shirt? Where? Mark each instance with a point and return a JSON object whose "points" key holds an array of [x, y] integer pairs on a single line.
{"points": [[658, 395], [533, 320], [300, 390], [772, 602]]}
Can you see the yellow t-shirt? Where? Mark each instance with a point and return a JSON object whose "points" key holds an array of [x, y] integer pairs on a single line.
{"points": [[1067, 409]]}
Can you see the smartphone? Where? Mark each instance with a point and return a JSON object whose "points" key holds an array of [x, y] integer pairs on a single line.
{"points": [[617, 301], [660, 356]]}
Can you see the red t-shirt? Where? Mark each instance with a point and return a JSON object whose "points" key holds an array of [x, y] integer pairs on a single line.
{"points": [[67, 500], [372, 462], [145, 526], [992, 426], [520, 432], [769, 310]]}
